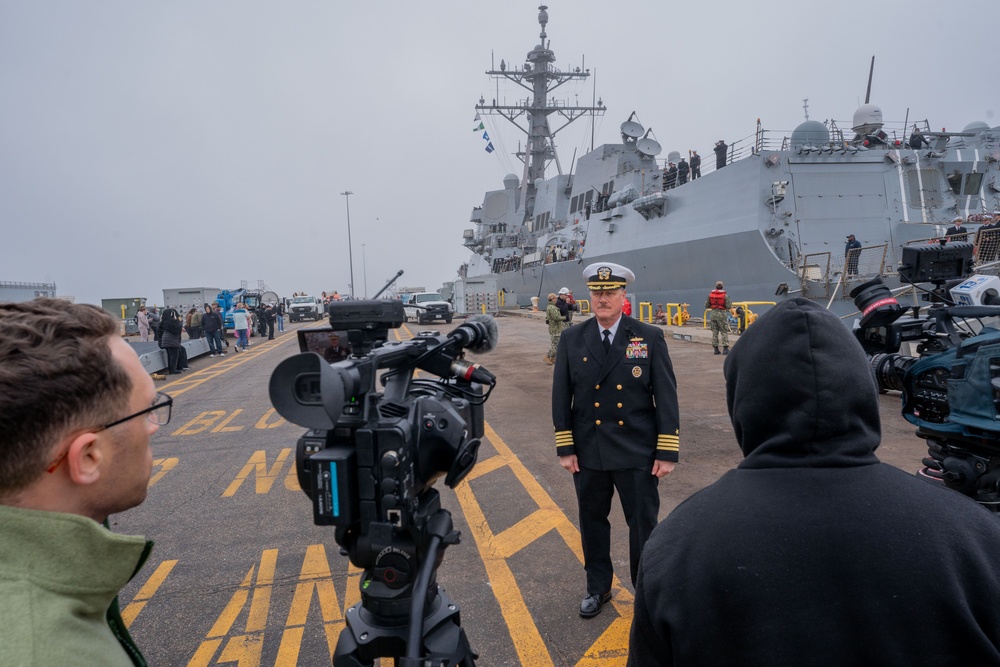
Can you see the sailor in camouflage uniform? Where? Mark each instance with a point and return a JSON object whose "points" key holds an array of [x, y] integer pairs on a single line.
{"points": [[614, 408], [554, 318], [719, 304]]}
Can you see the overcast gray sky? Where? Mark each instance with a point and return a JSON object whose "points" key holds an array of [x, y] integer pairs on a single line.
{"points": [[151, 145]]}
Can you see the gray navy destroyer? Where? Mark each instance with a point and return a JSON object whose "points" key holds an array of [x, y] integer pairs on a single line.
{"points": [[770, 219]]}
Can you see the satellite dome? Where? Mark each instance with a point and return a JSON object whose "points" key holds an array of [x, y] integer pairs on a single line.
{"points": [[867, 119], [811, 133], [510, 181], [976, 127], [674, 156]]}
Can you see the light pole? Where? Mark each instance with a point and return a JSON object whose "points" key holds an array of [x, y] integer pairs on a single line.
{"points": [[350, 254], [364, 268]]}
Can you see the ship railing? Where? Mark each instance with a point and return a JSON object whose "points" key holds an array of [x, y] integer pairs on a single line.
{"points": [[986, 251], [863, 264], [9, 284], [820, 274], [894, 130]]}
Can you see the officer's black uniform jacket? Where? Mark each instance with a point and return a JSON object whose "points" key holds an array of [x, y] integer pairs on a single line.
{"points": [[619, 410]]}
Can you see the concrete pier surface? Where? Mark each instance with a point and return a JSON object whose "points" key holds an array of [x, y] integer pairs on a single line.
{"points": [[240, 573]]}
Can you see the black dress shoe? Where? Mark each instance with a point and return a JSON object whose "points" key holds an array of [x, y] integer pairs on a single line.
{"points": [[591, 605]]}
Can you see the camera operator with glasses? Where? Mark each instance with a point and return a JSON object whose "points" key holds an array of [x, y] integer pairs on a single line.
{"points": [[77, 410]]}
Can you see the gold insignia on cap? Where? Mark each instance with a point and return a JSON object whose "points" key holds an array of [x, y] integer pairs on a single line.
{"points": [[604, 273], [636, 371]]}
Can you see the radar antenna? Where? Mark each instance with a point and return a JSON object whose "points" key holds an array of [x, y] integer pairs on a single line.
{"points": [[540, 77], [871, 73]]}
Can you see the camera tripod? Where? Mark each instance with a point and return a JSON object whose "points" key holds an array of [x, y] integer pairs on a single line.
{"points": [[431, 634]]}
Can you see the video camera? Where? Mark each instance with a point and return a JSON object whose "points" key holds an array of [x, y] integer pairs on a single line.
{"points": [[370, 458], [951, 389]]}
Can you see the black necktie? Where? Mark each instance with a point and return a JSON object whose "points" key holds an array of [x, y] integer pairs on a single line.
{"points": [[607, 341]]}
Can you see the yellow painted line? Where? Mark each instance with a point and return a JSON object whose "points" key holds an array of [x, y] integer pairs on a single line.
{"points": [[165, 466], [231, 361], [528, 642], [611, 648], [402, 333], [261, 601], [147, 591], [526, 531], [257, 465], [353, 594], [228, 616], [244, 649], [315, 577], [486, 466]]}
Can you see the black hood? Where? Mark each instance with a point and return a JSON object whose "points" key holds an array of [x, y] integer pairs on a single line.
{"points": [[800, 391]]}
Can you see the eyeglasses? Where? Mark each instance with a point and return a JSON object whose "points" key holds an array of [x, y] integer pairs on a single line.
{"points": [[158, 413]]}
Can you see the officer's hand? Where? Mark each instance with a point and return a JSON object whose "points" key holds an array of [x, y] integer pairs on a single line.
{"points": [[663, 468], [570, 463]]}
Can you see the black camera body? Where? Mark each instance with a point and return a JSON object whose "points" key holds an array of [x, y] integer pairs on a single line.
{"points": [[379, 437], [951, 389]]}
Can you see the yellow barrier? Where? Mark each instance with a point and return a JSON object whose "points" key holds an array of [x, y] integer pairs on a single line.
{"points": [[646, 306], [584, 305], [501, 298], [680, 317], [484, 308], [750, 316]]}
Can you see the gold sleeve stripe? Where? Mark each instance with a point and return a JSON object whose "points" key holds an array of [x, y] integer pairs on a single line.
{"points": [[564, 437], [670, 443]]}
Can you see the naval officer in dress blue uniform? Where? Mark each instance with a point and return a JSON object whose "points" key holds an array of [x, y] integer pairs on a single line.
{"points": [[614, 408]]}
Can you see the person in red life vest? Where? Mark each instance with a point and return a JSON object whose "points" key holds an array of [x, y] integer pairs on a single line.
{"points": [[719, 303], [627, 306]]}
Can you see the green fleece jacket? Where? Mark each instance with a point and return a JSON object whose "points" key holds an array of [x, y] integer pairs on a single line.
{"points": [[59, 578]]}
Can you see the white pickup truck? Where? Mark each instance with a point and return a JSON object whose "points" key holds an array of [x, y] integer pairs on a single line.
{"points": [[305, 308], [426, 307]]}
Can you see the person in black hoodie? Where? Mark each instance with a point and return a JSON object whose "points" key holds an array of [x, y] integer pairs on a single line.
{"points": [[812, 551], [212, 323], [170, 340]]}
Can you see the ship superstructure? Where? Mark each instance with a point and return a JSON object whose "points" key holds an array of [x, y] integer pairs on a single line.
{"points": [[771, 219]]}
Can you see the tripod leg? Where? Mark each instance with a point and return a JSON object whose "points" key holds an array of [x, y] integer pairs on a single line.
{"points": [[346, 653]]}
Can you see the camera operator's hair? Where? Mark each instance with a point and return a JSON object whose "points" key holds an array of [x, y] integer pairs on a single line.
{"points": [[56, 375]]}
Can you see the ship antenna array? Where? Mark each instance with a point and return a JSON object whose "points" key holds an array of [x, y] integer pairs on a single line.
{"points": [[540, 77], [871, 73]]}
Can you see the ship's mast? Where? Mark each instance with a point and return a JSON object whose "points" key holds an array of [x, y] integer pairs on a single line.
{"points": [[540, 77]]}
